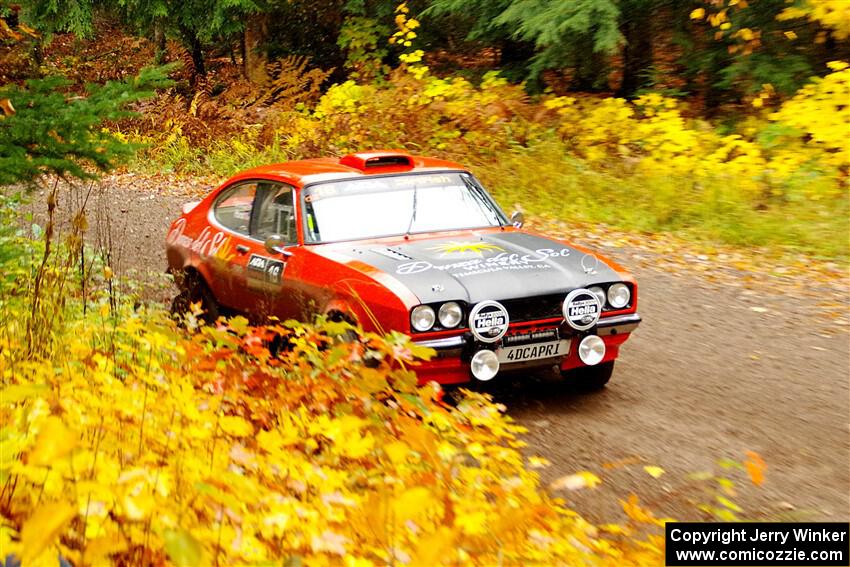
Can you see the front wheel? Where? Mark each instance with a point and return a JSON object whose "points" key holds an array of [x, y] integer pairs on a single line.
{"points": [[590, 378]]}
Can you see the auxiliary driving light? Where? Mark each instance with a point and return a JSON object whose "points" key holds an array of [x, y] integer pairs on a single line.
{"points": [[591, 350], [485, 364]]}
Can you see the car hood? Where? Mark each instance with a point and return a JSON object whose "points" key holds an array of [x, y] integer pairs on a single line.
{"points": [[480, 266]]}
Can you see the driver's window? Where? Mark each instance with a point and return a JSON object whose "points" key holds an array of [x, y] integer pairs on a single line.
{"points": [[233, 207], [276, 214]]}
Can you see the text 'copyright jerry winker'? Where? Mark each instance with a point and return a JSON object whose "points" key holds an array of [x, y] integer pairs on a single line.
{"points": [[754, 543]]}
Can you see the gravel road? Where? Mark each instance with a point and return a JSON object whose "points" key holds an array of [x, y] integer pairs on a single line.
{"points": [[717, 368]]}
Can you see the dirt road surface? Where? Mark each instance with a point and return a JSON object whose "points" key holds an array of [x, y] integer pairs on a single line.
{"points": [[717, 368]]}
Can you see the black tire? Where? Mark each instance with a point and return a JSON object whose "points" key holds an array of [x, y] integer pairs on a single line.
{"points": [[194, 290], [591, 378], [279, 345], [349, 336]]}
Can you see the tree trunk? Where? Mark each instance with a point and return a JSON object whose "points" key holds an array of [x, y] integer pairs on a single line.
{"points": [[255, 56], [514, 52], [712, 93], [590, 67], [159, 42], [242, 50], [38, 51], [515, 60], [197, 56], [196, 52], [637, 52]]}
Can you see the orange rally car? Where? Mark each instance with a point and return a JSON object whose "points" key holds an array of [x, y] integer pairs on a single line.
{"points": [[394, 241]]}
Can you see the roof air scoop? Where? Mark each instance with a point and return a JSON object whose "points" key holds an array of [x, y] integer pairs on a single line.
{"points": [[379, 159]]}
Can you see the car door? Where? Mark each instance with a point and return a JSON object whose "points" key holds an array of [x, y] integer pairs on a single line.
{"points": [[263, 275], [229, 237]]}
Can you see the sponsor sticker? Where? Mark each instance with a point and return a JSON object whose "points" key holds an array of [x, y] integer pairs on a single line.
{"points": [[476, 248], [542, 259], [582, 309], [488, 321], [274, 271], [209, 243], [267, 269], [257, 263]]}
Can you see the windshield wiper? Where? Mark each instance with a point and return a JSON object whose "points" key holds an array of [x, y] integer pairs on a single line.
{"points": [[412, 216]]}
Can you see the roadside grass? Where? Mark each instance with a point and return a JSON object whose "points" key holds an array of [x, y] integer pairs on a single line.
{"points": [[545, 181]]}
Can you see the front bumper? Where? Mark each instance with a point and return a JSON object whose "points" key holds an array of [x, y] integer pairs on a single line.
{"points": [[451, 363], [619, 325]]}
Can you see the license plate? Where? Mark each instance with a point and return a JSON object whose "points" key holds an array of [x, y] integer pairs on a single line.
{"points": [[534, 351]]}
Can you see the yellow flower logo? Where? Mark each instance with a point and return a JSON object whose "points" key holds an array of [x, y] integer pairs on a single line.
{"points": [[454, 247], [225, 251]]}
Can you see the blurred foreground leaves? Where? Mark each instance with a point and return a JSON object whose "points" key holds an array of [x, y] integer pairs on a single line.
{"points": [[141, 441]]}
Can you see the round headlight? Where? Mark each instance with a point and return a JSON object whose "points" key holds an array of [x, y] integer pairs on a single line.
{"points": [[619, 295], [599, 293], [450, 314], [422, 318]]}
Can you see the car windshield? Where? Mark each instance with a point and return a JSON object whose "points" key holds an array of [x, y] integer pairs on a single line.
{"points": [[371, 207]]}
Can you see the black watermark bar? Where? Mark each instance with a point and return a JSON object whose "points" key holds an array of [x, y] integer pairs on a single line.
{"points": [[757, 543]]}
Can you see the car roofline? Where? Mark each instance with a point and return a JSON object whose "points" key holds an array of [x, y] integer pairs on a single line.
{"points": [[312, 182], [308, 171]]}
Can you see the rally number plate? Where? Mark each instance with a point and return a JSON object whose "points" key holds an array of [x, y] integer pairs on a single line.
{"points": [[534, 351]]}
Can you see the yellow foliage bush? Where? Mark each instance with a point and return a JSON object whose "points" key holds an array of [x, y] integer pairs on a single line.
{"points": [[665, 139], [833, 14], [141, 443], [454, 117], [653, 133], [820, 112], [791, 162]]}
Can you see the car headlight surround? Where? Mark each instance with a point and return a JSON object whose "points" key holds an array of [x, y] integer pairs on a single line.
{"points": [[422, 318], [600, 295], [619, 295], [450, 314]]}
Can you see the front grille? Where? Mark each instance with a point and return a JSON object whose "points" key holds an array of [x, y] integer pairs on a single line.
{"points": [[534, 308], [531, 337]]}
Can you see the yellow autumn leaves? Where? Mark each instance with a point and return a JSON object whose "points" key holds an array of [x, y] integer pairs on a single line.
{"points": [[53, 442], [405, 24], [791, 144], [137, 440], [832, 14], [655, 134], [42, 528], [819, 111]]}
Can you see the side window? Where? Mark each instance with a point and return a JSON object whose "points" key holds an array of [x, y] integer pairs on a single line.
{"points": [[233, 207], [276, 214]]}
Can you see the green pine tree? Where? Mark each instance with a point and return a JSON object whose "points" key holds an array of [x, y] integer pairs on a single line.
{"points": [[53, 132]]}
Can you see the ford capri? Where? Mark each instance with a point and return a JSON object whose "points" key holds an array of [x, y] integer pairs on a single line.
{"points": [[392, 241]]}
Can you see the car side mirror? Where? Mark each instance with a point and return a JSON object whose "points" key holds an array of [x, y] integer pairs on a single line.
{"points": [[276, 244], [517, 219]]}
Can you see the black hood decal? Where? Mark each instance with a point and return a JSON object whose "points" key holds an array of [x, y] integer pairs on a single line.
{"points": [[477, 267]]}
